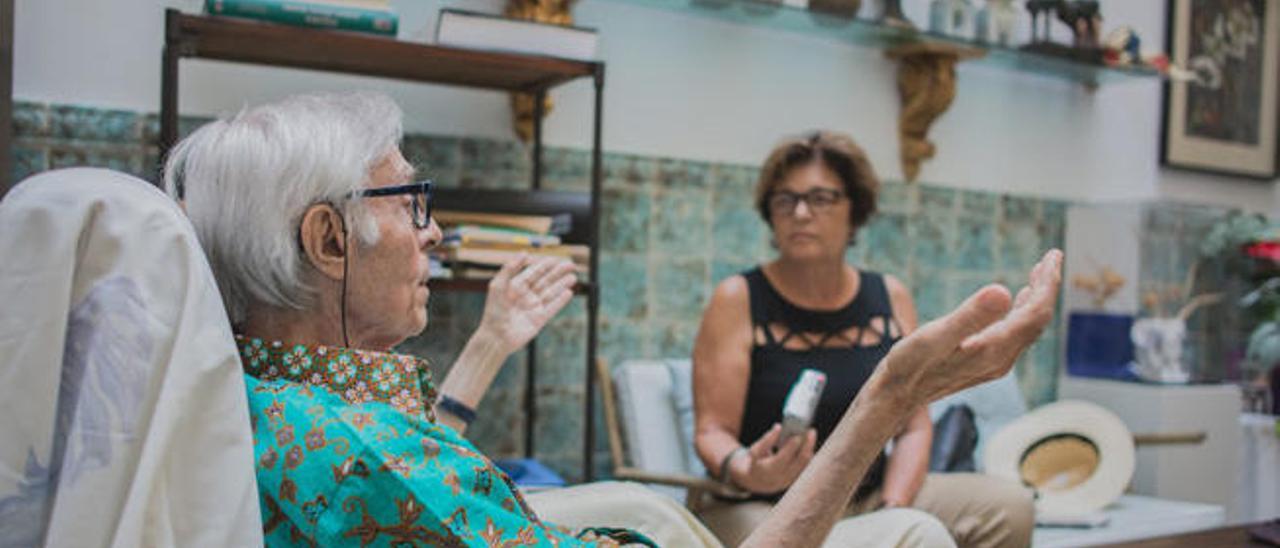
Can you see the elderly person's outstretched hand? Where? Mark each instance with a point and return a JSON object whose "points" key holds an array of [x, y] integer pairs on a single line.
{"points": [[980, 340], [525, 294]]}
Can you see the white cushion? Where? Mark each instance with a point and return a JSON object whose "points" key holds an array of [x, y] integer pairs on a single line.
{"points": [[681, 372], [651, 426]]}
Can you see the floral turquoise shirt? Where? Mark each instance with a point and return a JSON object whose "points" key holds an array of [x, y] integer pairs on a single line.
{"points": [[348, 453]]}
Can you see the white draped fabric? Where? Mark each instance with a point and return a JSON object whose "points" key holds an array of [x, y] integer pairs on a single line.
{"points": [[123, 419]]}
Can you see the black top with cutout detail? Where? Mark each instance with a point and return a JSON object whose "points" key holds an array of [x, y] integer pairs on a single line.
{"points": [[846, 344]]}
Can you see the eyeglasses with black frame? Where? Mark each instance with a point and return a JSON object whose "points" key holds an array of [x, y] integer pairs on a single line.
{"points": [[819, 200], [420, 191]]}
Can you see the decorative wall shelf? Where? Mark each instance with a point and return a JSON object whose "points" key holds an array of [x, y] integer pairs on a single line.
{"points": [[867, 32], [926, 61]]}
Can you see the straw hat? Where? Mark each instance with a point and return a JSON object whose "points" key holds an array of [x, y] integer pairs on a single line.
{"points": [[1077, 455]]}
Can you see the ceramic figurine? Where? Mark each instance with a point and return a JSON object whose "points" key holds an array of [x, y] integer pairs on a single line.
{"points": [[1122, 47], [1157, 349], [1040, 8], [951, 17], [1158, 341], [995, 22], [1085, 19]]}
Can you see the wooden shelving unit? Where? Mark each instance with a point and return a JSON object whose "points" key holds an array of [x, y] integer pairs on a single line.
{"points": [[259, 43]]}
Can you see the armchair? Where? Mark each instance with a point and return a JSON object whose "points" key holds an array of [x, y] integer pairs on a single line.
{"points": [[655, 402]]}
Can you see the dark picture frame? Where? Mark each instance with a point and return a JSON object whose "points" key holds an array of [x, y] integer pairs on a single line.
{"points": [[1227, 121]]}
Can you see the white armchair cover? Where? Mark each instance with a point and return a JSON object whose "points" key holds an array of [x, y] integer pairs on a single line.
{"points": [[123, 419]]}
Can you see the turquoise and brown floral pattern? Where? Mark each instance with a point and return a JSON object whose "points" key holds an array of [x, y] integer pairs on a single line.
{"points": [[348, 453], [357, 376]]}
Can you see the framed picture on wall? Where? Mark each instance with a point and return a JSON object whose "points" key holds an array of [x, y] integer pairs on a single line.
{"points": [[1227, 120]]}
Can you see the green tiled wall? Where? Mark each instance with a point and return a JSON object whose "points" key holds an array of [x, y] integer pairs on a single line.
{"points": [[671, 229]]}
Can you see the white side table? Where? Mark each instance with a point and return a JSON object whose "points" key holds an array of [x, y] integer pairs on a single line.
{"points": [[1135, 517], [1204, 472]]}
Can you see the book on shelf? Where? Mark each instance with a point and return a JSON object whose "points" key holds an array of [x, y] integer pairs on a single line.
{"points": [[469, 271], [480, 234], [533, 224], [499, 254], [474, 30], [323, 14]]}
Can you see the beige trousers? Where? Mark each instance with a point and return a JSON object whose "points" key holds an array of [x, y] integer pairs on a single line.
{"points": [[627, 505], [896, 527], [975, 510]]}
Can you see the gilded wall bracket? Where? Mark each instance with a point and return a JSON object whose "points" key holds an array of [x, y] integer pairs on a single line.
{"points": [[557, 12], [926, 86]]}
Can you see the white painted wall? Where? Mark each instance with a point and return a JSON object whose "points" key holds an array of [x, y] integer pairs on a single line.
{"points": [[687, 87]]}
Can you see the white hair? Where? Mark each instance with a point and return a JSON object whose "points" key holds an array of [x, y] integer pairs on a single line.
{"points": [[247, 180]]}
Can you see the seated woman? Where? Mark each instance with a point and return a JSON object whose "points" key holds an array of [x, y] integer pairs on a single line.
{"points": [[317, 237], [809, 309]]}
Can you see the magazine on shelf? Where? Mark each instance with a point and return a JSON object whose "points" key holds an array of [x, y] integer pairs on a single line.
{"points": [[474, 30]]}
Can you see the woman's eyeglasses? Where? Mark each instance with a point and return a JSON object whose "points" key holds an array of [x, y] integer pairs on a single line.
{"points": [[819, 200], [420, 192]]}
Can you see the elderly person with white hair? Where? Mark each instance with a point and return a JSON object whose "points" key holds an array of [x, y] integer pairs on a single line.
{"points": [[317, 234]]}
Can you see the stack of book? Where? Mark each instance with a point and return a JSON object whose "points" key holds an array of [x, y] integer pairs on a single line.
{"points": [[368, 16], [476, 245]]}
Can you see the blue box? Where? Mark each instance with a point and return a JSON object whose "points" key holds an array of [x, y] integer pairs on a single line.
{"points": [[1099, 346]]}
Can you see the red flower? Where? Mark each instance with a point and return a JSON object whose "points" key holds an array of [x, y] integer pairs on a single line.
{"points": [[1264, 250]]}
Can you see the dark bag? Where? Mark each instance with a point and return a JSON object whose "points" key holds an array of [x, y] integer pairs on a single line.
{"points": [[955, 435]]}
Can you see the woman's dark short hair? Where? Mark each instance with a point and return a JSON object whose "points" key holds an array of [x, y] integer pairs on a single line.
{"points": [[835, 151]]}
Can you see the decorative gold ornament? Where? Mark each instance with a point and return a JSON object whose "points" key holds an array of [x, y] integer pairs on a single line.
{"points": [[926, 85], [1100, 287], [556, 12]]}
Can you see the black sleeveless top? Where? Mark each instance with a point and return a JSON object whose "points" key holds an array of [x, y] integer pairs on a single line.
{"points": [[845, 344]]}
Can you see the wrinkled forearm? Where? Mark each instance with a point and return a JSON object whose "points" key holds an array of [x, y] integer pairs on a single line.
{"points": [[820, 495], [472, 374], [908, 464]]}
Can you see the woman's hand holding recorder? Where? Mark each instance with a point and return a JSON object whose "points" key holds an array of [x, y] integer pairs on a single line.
{"points": [[777, 458], [766, 471]]}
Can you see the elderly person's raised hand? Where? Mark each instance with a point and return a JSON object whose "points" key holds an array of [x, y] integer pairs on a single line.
{"points": [[979, 341], [525, 294]]}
